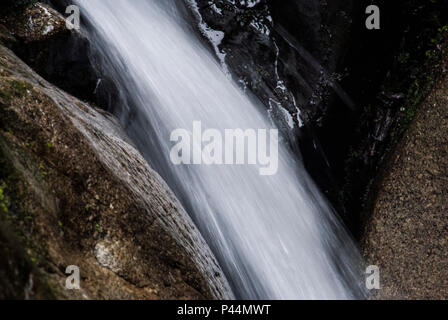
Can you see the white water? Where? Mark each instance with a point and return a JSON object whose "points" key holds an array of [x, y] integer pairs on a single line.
{"points": [[275, 236]]}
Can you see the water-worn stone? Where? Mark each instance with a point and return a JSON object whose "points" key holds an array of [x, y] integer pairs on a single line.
{"points": [[76, 192]]}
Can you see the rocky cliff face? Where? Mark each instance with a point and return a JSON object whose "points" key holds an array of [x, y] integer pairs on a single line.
{"points": [[74, 191], [315, 66], [290, 54], [285, 52]]}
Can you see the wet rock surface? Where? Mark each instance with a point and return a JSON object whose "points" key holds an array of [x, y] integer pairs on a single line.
{"points": [[39, 36], [292, 56], [76, 192], [345, 84], [283, 52]]}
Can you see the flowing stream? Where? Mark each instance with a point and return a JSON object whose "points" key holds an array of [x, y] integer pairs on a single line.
{"points": [[275, 236]]}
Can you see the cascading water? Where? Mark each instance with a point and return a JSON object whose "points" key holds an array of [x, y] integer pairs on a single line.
{"points": [[275, 236]]}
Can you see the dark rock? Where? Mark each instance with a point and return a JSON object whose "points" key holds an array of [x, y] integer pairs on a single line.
{"points": [[290, 54], [38, 35], [318, 58]]}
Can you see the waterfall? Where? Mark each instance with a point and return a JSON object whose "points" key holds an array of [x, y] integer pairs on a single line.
{"points": [[275, 236]]}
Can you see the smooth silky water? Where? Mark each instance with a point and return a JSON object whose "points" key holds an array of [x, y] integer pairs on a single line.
{"points": [[275, 236]]}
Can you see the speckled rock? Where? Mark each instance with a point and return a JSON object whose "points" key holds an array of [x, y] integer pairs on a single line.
{"points": [[38, 35], [36, 22], [76, 192], [407, 235]]}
